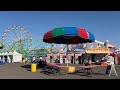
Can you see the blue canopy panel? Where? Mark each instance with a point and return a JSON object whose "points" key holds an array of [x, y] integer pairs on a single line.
{"points": [[91, 36], [71, 31]]}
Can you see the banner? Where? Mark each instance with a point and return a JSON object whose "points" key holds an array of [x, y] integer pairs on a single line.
{"points": [[61, 48], [78, 46], [54, 48], [69, 48], [48, 48], [91, 45], [84, 45]]}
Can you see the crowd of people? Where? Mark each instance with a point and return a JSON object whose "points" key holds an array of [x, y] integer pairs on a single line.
{"points": [[41, 61], [3, 59]]}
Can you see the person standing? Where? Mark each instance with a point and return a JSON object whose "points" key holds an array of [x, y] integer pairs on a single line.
{"points": [[33, 59], [40, 57], [110, 62], [50, 59], [40, 63], [44, 63], [83, 58], [45, 58], [26, 60], [23, 60], [5, 57]]}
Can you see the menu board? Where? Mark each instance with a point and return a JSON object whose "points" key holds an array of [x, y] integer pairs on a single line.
{"points": [[97, 50]]}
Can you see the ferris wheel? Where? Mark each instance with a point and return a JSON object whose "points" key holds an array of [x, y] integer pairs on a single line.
{"points": [[16, 38]]}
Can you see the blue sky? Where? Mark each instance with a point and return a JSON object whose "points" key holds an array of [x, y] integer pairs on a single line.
{"points": [[105, 25]]}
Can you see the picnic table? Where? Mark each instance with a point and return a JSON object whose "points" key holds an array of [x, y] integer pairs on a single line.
{"points": [[87, 69], [54, 69]]}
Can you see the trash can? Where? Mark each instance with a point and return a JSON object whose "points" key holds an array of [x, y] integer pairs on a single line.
{"points": [[33, 67]]}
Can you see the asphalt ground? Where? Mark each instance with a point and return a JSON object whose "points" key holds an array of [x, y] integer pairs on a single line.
{"points": [[23, 71]]}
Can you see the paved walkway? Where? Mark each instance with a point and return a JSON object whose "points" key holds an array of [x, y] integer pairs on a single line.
{"points": [[22, 71]]}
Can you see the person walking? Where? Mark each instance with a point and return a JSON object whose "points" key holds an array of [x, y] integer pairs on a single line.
{"points": [[83, 58]]}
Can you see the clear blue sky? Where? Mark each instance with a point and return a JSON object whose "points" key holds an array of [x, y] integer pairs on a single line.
{"points": [[105, 25]]}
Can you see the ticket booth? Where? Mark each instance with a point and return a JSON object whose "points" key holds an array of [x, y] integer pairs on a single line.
{"points": [[95, 54]]}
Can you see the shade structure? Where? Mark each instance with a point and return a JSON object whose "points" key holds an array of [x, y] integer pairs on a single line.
{"points": [[68, 35]]}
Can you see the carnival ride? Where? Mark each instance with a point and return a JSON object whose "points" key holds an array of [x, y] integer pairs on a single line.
{"points": [[18, 38]]}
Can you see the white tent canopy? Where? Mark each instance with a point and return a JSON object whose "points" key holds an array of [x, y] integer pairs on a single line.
{"points": [[12, 56], [10, 53], [17, 57]]}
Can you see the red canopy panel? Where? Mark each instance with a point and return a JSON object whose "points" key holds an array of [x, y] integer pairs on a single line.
{"points": [[48, 34], [83, 33]]}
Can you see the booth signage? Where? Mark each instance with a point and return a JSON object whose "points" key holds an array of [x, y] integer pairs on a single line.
{"points": [[97, 50]]}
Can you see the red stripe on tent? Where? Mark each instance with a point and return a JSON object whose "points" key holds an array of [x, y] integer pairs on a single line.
{"points": [[48, 34], [83, 33]]}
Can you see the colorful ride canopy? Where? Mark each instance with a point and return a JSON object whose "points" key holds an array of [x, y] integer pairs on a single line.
{"points": [[68, 35]]}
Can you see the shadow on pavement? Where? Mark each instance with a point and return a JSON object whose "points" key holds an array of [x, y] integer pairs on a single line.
{"points": [[28, 67], [81, 73]]}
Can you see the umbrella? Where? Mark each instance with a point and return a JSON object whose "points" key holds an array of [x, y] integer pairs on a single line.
{"points": [[68, 35]]}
